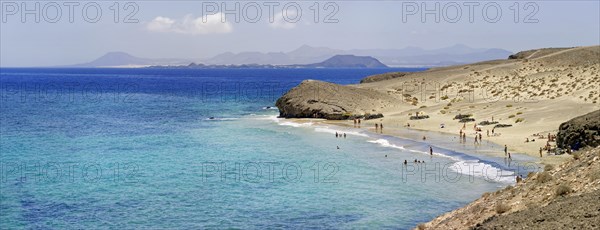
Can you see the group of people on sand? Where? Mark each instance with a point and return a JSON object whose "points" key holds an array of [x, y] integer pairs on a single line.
{"points": [[506, 153], [477, 129], [478, 134], [527, 140], [548, 147], [550, 137], [379, 127], [356, 122], [462, 136]]}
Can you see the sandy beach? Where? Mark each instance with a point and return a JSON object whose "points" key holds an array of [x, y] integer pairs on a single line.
{"points": [[533, 92], [521, 103]]}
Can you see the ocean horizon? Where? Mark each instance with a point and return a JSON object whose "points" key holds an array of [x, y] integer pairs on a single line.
{"points": [[204, 148]]}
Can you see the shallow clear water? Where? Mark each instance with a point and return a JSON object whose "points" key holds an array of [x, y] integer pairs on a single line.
{"points": [[83, 148]]}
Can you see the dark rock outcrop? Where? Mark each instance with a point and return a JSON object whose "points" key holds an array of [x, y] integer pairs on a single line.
{"points": [[462, 116], [318, 99], [467, 119], [488, 123], [580, 132], [382, 77], [373, 116], [420, 117]]}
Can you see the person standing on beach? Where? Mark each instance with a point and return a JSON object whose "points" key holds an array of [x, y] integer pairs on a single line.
{"points": [[509, 156], [488, 133], [430, 151], [506, 151], [540, 151], [376, 127], [344, 135], [381, 128], [480, 137]]}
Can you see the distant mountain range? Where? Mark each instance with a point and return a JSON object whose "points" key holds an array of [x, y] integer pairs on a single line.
{"points": [[409, 56], [305, 55], [337, 61], [122, 59]]}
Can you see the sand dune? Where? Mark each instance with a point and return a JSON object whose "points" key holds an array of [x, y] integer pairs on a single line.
{"points": [[534, 91]]}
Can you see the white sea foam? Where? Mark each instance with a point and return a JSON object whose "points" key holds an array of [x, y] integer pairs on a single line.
{"points": [[266, 117], [466, 167], [296, 124], [483, 170], [325, 129], [221, 119], [386, 143]]}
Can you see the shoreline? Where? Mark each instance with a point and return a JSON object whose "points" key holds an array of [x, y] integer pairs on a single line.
{"points": [[444, 144], [401, 133]]}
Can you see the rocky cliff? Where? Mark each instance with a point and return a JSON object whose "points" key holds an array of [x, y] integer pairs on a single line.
{"points": [[318, 99], [580, 132], [382, 77]]}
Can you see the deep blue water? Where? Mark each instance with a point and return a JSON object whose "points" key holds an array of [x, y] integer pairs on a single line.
{"points": [[135, 148]]}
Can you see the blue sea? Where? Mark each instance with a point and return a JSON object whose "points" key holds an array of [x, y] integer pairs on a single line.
{"points": [[196, 149]]}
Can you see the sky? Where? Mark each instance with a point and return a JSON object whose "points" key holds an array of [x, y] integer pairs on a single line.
{"points": [[77, 32]]}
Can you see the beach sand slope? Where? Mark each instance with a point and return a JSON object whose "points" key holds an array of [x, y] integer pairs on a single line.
{"points": [[532, 91]]}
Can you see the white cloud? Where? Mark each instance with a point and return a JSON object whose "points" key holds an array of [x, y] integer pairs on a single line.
{"points": [[191, 25], [280, 22], [160, 24]]}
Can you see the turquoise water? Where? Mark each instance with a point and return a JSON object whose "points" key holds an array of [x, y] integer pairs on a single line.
{"points": [[104, 148]]}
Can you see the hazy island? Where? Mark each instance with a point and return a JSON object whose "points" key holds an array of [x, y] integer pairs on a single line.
{"points": [[337, 61]]}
